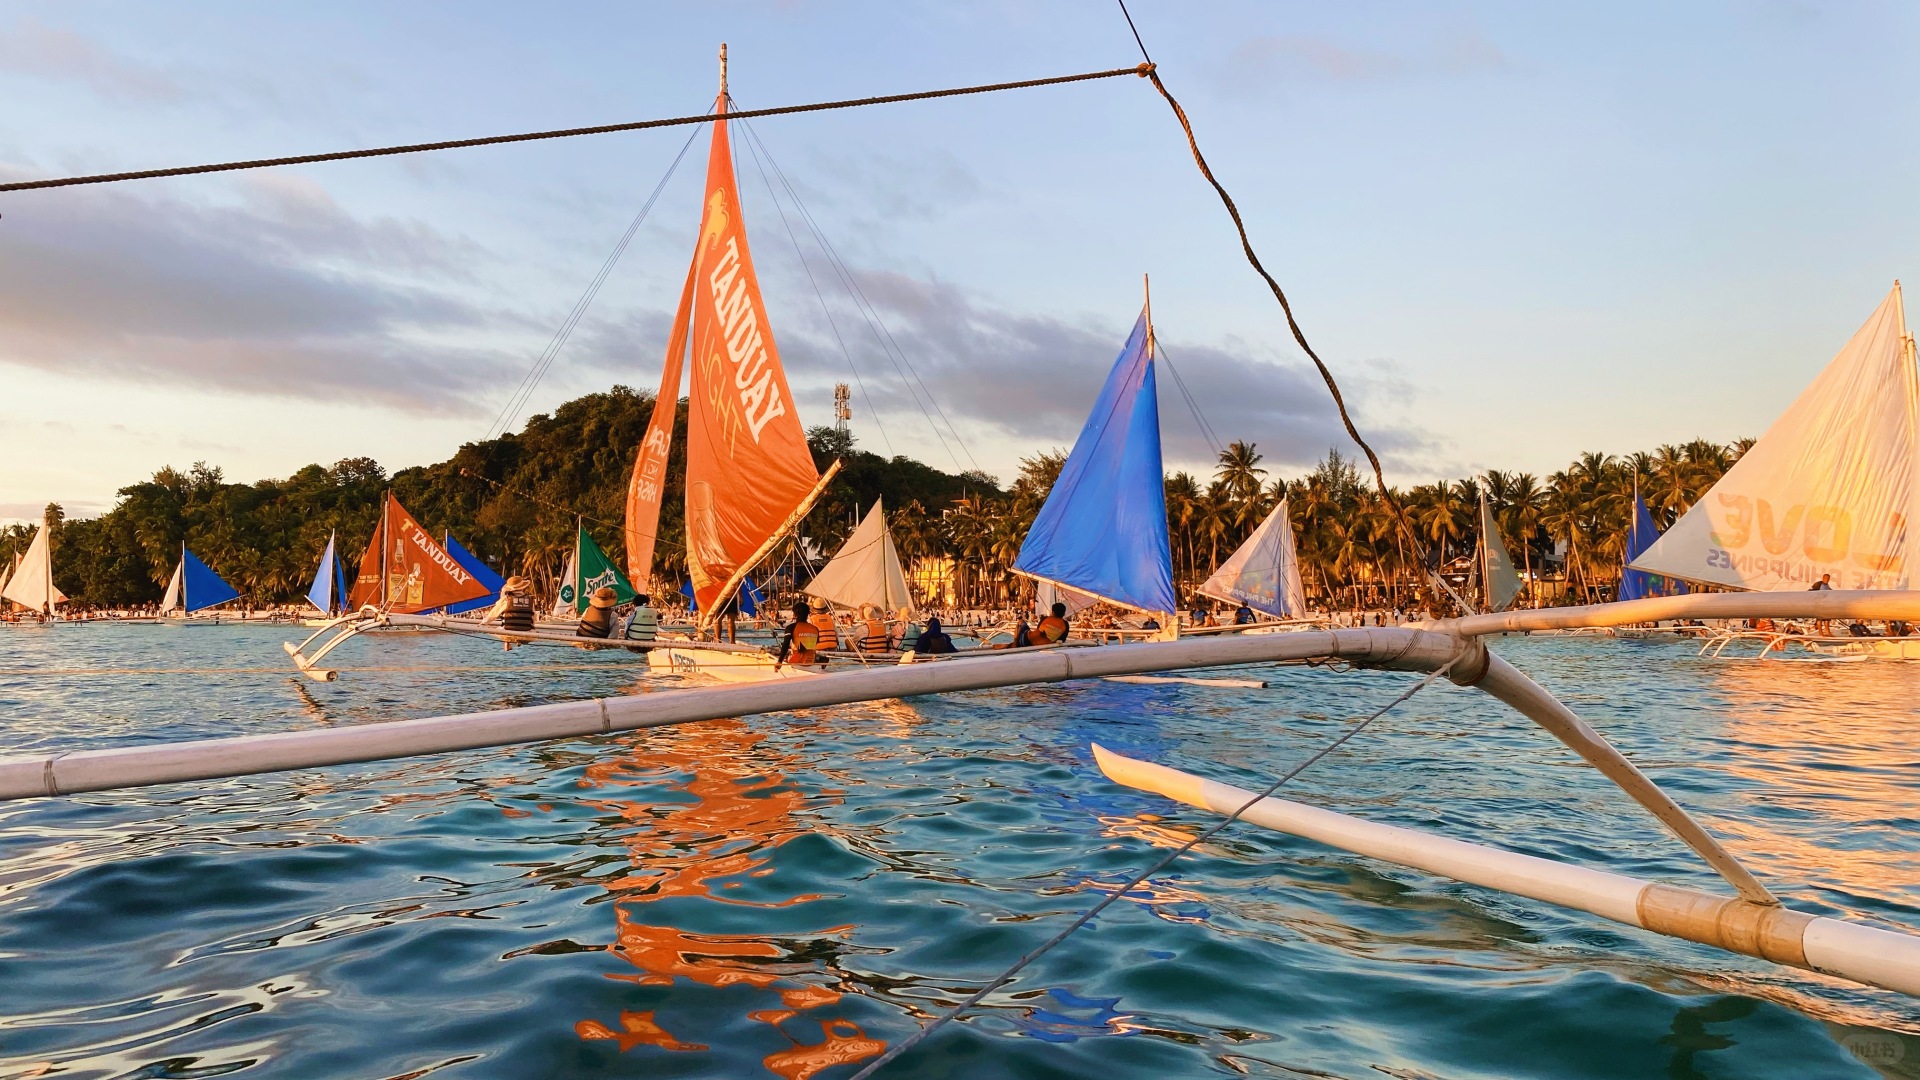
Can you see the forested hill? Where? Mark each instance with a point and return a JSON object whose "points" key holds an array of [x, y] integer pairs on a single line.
{"points": [[510, 500]]}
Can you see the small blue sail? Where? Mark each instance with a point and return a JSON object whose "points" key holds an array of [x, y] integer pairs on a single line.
{"points": [[340, 595], [200, 587], [481, 573], [322, 594], [1103, 528], [751, 598], [1641, 533]]}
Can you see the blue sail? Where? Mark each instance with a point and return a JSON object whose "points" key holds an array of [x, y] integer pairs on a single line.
{"points": [[1641, 533], [481, 573], [751, 597], [322, 595], [200, 587], [340, 583], [1103, 528]]}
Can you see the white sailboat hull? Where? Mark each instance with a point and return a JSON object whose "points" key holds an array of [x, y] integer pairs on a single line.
{"points": [[723, 665]]}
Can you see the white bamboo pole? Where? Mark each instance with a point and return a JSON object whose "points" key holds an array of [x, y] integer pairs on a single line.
{"points": [[1826, 604], [1853, 951], [1532, 700], [139, 766]]}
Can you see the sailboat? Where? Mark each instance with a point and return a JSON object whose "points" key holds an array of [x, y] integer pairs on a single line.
{"points": [[588, 570], [750, 475], [1826, 493], [1103, 527], [866, 570], [1264, 572], [329, 590], [31, 584], [1499, 581], [406, 571], [195, 587]]}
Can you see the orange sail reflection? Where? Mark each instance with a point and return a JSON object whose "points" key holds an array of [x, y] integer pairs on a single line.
{"points": [[740, 812]]}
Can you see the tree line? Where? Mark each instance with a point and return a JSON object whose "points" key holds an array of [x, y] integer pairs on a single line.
{"points": [[515, 500]]}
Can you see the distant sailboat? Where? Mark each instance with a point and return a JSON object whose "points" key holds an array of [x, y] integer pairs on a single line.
{"points": [[589, 570], [1264, 572], [405, 570], [329, 590], [1829, 489], [1499, 581], [31, 585], [564, 596], [1641, 533], [195, 587], [866, 569], [1103, 528]]}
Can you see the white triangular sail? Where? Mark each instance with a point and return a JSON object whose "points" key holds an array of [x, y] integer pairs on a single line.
{"points": [[173, 599], [866, 569], [563, 596], [1828, 489], [31, 585], [1264, 573], [6, 572], [1500, 580], [1046, 594]]}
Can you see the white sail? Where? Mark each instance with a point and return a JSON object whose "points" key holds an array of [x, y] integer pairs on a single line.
{"points": [[6, 572], [1500, 580], [31, 585], [1828, 489], [866, 569], [1046, 594], [173, 598], [563, 596], [1264, 573]]}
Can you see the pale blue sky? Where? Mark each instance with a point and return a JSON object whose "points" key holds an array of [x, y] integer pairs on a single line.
{"points": [[1517, 231]]}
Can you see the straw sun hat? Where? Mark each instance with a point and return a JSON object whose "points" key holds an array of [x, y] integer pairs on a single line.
{"points": [[516, 584], [603, 597]]}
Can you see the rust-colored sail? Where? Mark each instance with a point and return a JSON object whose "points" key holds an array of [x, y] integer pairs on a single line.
{"points": [[748, 467], [648, 485], [366, 584], [406, 571]]}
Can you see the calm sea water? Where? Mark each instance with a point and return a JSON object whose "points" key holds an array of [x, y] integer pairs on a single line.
{"points": [[782, 896]]}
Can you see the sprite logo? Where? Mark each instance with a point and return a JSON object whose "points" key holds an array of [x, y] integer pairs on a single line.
{"points": [[605, 579], [566, 593]]}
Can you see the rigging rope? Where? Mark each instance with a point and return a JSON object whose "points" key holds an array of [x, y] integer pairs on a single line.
{"points": [[565, 133], [888, 346], [544, 362], [1044, 947], [1253, 259]]}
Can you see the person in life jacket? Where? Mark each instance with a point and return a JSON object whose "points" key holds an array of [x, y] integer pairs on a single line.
{"points": [[1052, 630], [597, 620], [823, 624], [1242, 615], [874, 636], [514, 609], [643, 624], [801, 641]]}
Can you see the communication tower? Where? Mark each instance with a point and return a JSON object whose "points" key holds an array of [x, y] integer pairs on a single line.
{"points": [[842, 405]]}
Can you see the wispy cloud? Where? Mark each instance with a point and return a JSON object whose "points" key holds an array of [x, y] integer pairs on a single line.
{"points": [[1027, 380], [31, 47], [1268, 58], [279, 292]]}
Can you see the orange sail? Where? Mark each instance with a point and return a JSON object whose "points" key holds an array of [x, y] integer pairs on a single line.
{"points": [[749, 471], [366, 584], [405, 570], [649, 481]]}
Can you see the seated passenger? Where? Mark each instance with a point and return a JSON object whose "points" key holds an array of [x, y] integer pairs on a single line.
{"points": [[597, 620], [933, 642]]}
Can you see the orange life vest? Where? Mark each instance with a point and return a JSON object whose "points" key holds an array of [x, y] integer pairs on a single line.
{"points": [[806, 638], [1051, 631], [877, 637], [829, 637]]}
